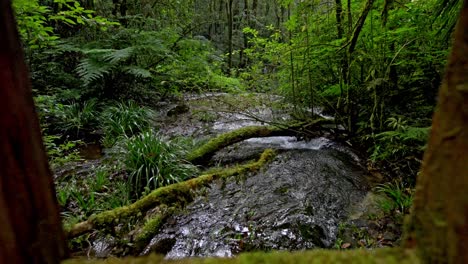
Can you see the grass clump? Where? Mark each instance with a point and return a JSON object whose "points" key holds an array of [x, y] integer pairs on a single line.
{"points": [[398, 198], [154, 162], [77, 117], [124, 119]]}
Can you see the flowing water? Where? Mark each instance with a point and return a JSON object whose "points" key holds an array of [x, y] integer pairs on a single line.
{"points": [[296, 202]]}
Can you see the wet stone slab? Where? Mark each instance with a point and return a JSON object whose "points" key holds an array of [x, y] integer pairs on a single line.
{"points": [[296, 203]]}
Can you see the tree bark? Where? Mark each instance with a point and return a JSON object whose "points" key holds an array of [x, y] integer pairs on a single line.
{"points": [[31, 226], [439, 222], [254, 8]]}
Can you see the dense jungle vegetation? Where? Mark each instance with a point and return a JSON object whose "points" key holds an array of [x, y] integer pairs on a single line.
{"points": [[100, 68]]}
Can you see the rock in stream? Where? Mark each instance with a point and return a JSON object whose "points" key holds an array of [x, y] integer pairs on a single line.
{"points": [[296, 203]]}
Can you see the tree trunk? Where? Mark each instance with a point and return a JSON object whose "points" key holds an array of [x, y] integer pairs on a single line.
{"points": [[246, 16], [31, 228], [339, 18], [350, 17], [254, 8], [230, 30], [439, 222], [359, 25]]}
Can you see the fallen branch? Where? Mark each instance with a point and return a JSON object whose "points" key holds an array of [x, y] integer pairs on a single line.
{"points": [[202, 155], [179, 193]]}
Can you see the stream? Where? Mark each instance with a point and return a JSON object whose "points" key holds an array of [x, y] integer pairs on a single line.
{"points": [[296, 202]]}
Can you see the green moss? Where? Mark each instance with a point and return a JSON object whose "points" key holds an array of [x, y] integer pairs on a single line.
{"points": [[202, 154], [229, 138], [390, 256], [151, 227]]}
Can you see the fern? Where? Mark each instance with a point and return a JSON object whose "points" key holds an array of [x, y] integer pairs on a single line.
{"points": [[117, 56], [91, 70], [137, 72], [101, 62], [407, 134]]}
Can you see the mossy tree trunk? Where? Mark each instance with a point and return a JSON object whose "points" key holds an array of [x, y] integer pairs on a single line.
{"points": [[31, 231], [438, 226]]}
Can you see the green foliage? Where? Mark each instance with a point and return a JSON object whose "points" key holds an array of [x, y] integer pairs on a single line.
{"points": [[80, 197], [124, 119], [59, 152], [48, 109], [218, 82], [158, 61], [76, 117], [401, 143], [100, 63], [33, 23], [101, 180], [398, 197], [35, 20], [393, 72], [154, 162]]}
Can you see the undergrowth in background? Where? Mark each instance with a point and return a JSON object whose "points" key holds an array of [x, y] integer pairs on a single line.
{"points": [[400, 148], [78, 117], [60, 153]]}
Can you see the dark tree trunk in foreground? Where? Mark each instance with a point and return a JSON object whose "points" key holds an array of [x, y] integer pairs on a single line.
{"points": [[31, 231], [439, 221]]}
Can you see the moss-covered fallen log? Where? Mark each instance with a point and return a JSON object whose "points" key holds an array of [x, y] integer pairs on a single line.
{"points": [[206, 151], [388, 256], [179, 193], [151, 227]]}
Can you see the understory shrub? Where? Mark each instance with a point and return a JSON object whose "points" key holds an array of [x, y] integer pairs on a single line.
{"points": [[153, 162], [59, 152], [401, 148], [67, 118]]}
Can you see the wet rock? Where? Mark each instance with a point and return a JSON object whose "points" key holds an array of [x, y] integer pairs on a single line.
{"points": [[162, 245], [178, 110], [296, 203], [102, 247], [390, 236]]}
